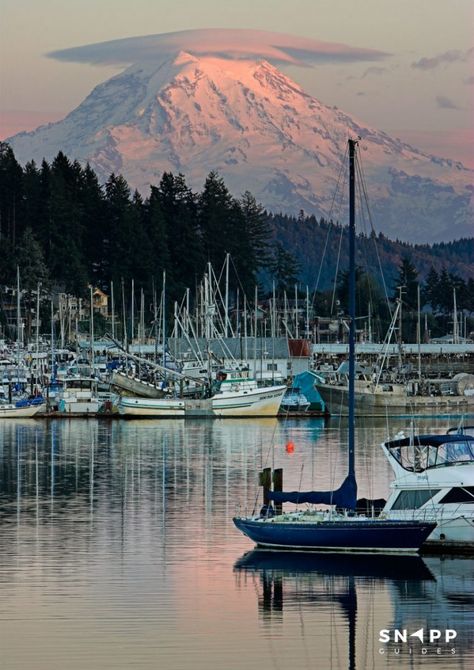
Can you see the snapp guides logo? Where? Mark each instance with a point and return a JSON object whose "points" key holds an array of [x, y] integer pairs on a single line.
{"points": [[421, 641]]}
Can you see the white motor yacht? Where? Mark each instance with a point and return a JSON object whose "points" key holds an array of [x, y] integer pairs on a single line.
{"points": [[434, 480]]}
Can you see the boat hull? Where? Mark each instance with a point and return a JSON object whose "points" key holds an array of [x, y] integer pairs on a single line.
{"points": [[136, 408], [264, 402], [365, 536], [383, 404], [10, 412], [258, 403]]}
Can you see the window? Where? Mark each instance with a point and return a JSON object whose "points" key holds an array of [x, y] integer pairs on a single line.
{"points": [[272, 366], [459, 494], [414, 499]]}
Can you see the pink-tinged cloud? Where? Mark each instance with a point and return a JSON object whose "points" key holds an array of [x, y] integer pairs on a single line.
{"points": [[15, 121], [446, 58], [278, 48]]}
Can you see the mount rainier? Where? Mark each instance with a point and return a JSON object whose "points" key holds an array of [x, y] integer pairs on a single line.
{"points": [[262, 133]]}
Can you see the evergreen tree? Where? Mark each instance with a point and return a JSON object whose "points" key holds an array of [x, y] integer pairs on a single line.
{"points": [[66, 259], [220, 220], [283, 269], [184, 255], [30, 260], [158, 233], [94, 224], [33, 271], [119, 231], [445, 292], [430, 289], [408, 280], [11, 194], [256, 230]]}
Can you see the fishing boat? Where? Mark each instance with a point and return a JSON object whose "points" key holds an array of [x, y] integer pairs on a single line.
{"points": [[236, 394], [22, 411], [338, 528], [441, 397], [151, 408], [434, 480]]}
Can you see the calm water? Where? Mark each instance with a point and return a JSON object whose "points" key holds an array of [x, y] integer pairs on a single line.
{"points": [[117, 550]]}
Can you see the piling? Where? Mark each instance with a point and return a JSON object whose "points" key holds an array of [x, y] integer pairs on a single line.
{"points": [[278, 486]]}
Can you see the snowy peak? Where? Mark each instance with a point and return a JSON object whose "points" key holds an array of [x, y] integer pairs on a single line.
{"points": [[262, 132]]}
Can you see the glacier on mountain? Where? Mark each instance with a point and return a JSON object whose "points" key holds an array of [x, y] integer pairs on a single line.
{"points": [[261, 132]]}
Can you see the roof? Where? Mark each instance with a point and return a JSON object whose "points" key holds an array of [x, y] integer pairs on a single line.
{"points": [[429, 440], [226, 347]]}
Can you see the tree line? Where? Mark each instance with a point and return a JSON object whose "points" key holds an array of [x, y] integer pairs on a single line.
{"points": [[66, 230]]}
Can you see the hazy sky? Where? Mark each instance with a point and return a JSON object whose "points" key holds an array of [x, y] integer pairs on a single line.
{"points": [[421, 92]]}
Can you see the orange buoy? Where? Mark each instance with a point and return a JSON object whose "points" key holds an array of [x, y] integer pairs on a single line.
{"points": [[290, 447]]}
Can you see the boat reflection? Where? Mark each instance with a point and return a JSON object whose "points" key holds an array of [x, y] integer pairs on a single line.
{"points": [[338, 593]]}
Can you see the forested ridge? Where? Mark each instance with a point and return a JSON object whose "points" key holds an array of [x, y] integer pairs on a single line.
{"points": [[65, 229]]}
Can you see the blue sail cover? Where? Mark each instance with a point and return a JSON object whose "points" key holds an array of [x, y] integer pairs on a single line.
{"points": [[345, 496]]}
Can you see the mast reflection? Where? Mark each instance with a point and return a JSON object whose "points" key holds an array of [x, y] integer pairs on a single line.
{"points": [[290, 579]]}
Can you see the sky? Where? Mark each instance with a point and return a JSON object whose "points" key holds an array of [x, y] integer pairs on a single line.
{"points": [[420, 90]]}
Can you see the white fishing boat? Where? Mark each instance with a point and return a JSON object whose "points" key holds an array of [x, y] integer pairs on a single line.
{"points": [[12, 411], [150, 408], [236, 394], [434, 480]]}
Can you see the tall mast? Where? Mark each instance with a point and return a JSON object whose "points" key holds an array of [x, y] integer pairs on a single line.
{"points": [[226, 320], [113, 308], [163, 314], [91, 329], [18, 313], [352, 315]]}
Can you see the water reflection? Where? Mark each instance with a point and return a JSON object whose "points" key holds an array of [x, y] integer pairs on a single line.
{"points": [[368, 593], [117, 550]]}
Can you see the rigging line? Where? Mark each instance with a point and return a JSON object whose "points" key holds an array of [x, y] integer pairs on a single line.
{"points": [[339, 188], [333, 299], [238, 278], [361, 176], [342, 228], [363, 237], [264, 462]]}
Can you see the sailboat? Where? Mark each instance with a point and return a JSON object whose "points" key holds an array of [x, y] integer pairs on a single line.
{"points": [[338, 529]]}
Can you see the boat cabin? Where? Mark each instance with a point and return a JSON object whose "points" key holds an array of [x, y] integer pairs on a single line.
{"points": [[424, 452]]}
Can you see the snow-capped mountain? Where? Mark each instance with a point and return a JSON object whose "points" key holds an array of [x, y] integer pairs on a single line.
{"points": [[262, 133]]}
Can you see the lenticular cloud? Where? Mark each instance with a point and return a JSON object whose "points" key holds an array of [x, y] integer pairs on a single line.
{"points": [[277, 48]]}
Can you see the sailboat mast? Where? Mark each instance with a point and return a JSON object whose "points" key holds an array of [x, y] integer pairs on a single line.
{"points": [[352, 315]]}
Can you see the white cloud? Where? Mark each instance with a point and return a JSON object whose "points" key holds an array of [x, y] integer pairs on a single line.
{"points": [[278, 48]]}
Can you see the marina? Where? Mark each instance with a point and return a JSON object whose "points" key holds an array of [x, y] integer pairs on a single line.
{"points": [[237, 337]]}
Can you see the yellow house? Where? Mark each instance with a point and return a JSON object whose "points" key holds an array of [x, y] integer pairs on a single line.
{"points": [[100, 302]]}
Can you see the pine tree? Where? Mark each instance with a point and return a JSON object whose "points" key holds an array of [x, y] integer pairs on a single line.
{"points": [[185, 256], [408, 280], [283, 269], [431, 289], [219, 218], [11, 194]]}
